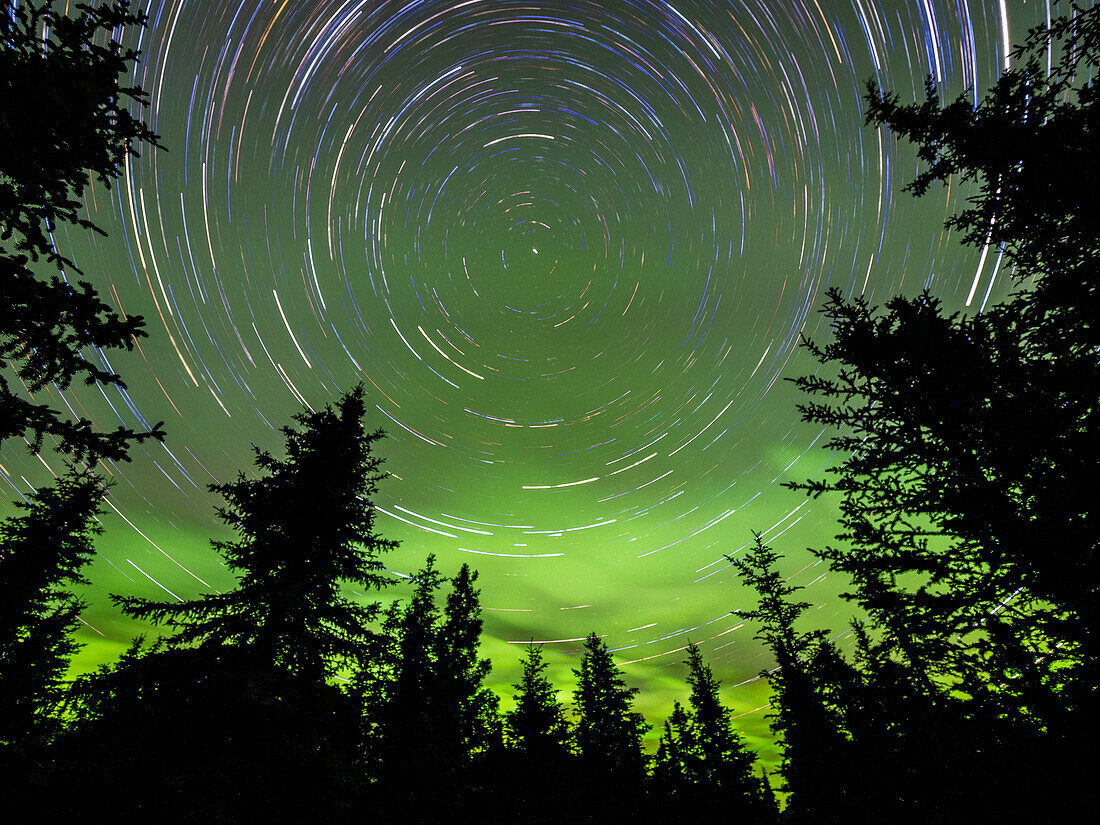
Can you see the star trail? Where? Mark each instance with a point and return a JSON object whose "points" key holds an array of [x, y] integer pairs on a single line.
{"points": [[568, 248]]}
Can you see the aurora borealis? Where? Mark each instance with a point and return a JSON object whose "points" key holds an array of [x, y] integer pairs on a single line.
{"points": [[568, 248]]}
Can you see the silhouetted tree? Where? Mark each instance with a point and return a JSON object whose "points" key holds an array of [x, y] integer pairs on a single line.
{"points": [[608, 734], [769, 804], [467, 712], [672, 776], [925, 751], [941, 486], [722, 766], [231, 717], [969, 530], [66, 118], [396, 690], [1027, 145], [42, 552], [205, 734], [467, 729], [428, 712], [816, 752], [536, 726], [724, 760], [965, 504], [538, 763], [307, 528]]}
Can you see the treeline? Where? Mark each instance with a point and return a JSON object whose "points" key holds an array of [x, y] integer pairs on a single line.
{"points": [[287, 699], [968, 446]]}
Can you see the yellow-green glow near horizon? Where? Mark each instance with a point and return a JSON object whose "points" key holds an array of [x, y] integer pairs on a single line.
{"points": [[568, 248]]}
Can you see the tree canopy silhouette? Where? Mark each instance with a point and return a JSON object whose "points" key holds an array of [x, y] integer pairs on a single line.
{"points": [[428, 713], [205, 734], [969, 526], [66, 118], [232, 716], [42, 552], [702, 764], [468, 722], [608, 733], [539, 761], [814, 767], [536, 726], [307, 529], [396, 687]]}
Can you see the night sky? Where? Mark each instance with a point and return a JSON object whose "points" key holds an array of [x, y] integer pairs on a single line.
{"points": [[568, 248]]}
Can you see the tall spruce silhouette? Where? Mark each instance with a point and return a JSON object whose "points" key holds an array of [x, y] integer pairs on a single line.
{"points": [[724, 762], [66, 118], [467, 729], [539, 761], [306, 527], [231, 717], [537, 726], [42, 553], [396, 689], [672, 778], [816, 753], [702, 764], [608, 733], [467, 711], [428, 713], [969, 529]]}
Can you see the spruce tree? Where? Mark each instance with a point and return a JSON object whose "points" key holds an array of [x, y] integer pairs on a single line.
{"points": [[232, 715], [536, 726], [467, 711], [306, 527], [608, 734], [468, 726], [42, 553], [816, 762], [537, 762], [968, 527], [203, 734], [672, 777], [395, 690], [702, 765], [428, 711], [723, 765], [67, 117], [398, 687]]}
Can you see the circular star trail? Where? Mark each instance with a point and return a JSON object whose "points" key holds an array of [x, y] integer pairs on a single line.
{"points": [[568, 248]]}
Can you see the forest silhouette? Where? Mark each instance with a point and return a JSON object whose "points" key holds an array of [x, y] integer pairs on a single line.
{"points": [[968, 533]]}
